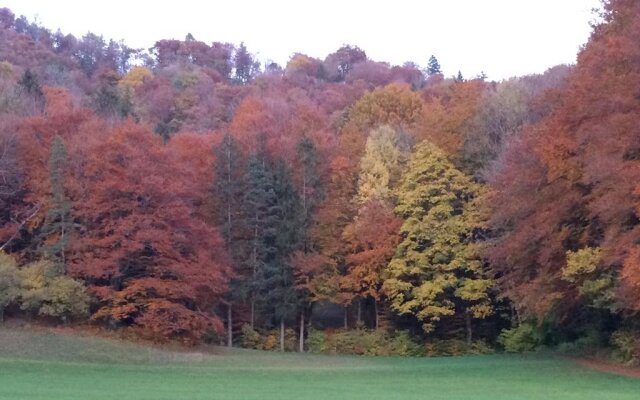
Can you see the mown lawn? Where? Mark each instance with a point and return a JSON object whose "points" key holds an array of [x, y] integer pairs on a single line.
{"points": [[37, 365]]}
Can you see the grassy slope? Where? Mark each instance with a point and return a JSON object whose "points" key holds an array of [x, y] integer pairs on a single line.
{"points": [[39, 365]]}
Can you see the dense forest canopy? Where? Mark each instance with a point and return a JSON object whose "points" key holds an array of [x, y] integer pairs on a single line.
{"points": [[189, 192]]}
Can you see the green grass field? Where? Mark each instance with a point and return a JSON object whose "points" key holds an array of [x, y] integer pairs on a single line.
{"points": [[40, 365]]}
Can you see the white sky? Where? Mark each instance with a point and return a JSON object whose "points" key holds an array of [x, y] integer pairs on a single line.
{"points": [[503, 38]]}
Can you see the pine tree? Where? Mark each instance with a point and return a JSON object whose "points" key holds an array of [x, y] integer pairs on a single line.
{"points": [[433, 67], [435, 272], [57, 226]]}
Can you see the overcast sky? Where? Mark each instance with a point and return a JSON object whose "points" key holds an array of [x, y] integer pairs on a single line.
{"points": [[503, 38]]}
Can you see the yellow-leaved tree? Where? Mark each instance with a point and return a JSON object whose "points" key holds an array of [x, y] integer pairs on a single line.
{"points": [[436, 272]]}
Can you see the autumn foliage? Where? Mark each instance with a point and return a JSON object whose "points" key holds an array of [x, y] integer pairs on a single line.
{"points": [[188, 190]]}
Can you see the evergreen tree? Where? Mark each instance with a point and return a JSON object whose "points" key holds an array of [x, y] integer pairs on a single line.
{"points": [[276, 280], [246, 67], [433, 67], [259, 220], [435, 272], [57, 226], [30, 84], [311, 193], [228, 189]]}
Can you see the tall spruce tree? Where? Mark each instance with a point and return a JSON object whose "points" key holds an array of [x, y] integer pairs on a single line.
{"points": [[259, 219], [276, 280], [433, 67], [311, 194], [227, 191], [58, 224]]}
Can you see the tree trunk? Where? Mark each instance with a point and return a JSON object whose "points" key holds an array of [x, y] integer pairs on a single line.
{"points": [[253, 312], [467, 318], [281, 334], [359, 311], [346, 321], [229, 194], [302, 331], [1, 313], [375, 308], [229, 326], [515, 316]]}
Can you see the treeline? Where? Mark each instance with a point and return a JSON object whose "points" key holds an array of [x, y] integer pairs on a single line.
{"points": [[192, 189]]}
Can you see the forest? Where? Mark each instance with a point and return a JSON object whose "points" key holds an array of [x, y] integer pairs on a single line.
{"points": [[190, 193]]}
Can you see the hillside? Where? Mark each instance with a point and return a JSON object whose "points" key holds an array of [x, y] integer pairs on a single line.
{"points": [[340, 204]]}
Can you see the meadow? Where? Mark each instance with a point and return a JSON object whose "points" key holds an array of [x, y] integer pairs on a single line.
{"points": [[45, 365]]}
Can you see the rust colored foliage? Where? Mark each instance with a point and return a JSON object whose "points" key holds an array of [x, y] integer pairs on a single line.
{"points": [[281, 119], [371, 241], [141, 240], [448, 113], [579, 187], [151, 259]]}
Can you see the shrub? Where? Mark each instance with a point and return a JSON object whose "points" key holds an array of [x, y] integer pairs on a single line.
{"points": [[268, 340], [9, 282], [456, 347], [251, 339], [402, 343], [521, 338], [317, 341], [627, 346], [363, 342], [59, 297], [588, 344]]}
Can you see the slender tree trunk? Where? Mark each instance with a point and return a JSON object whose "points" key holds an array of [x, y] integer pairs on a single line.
{"points": [[302, 331], [1, 313], [517, 314], [467, 318], [62, 251], [229, 194], [229, 326], [375, 308], [254, 257], [253, 312], [346, 320], [359, 310], [282, 334]]}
